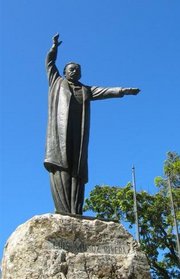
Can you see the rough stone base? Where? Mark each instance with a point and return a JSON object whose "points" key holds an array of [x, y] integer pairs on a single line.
{"points": [[55, 246]]}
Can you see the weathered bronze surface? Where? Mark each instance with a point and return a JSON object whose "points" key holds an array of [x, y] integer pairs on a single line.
{"points": [[68, 130]]}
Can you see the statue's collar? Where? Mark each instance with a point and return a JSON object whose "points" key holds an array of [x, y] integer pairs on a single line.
{"points": [[71, 83]]}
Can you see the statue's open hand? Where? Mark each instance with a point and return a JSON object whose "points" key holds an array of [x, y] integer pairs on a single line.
{"points": [[134, 91], [56, 41], [131, 91]]}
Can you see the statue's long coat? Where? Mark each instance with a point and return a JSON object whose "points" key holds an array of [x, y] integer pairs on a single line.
{"points": [[58, 116]]}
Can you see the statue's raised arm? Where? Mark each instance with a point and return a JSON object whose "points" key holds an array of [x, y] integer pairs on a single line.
{"points": [[52, 71]]}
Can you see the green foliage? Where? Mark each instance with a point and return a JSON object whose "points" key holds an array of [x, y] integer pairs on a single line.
{"points": [[105, 201], [154, 213], [171, 170]]}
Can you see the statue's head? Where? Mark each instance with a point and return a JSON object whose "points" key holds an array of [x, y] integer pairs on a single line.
{"points": [[72, 71]]}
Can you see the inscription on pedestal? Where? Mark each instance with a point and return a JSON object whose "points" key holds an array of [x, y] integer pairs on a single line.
{"points": [[77, 246]]}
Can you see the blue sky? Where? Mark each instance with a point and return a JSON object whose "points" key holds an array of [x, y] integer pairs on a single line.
{"points": [[130, 43]]}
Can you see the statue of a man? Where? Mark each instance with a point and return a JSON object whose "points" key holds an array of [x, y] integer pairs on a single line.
{"points": [[68, 130]]}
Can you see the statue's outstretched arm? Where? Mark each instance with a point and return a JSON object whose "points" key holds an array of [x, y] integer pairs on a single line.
{"points": [[51, 68], [100, 93]]}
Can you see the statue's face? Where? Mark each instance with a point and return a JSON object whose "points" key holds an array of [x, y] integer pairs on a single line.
{"points": [[73, 72]]}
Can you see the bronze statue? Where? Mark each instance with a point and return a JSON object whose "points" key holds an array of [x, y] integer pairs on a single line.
{"points": [[68, 130]]}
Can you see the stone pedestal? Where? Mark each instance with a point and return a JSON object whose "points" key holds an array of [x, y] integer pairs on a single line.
{"points": [[56, 246]]}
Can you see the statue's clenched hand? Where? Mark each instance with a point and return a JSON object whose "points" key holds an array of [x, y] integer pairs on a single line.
{"points": [[56, 41]]}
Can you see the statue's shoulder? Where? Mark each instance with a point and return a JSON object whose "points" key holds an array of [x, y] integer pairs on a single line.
{"points": [[85, 86], [60, 80]]}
